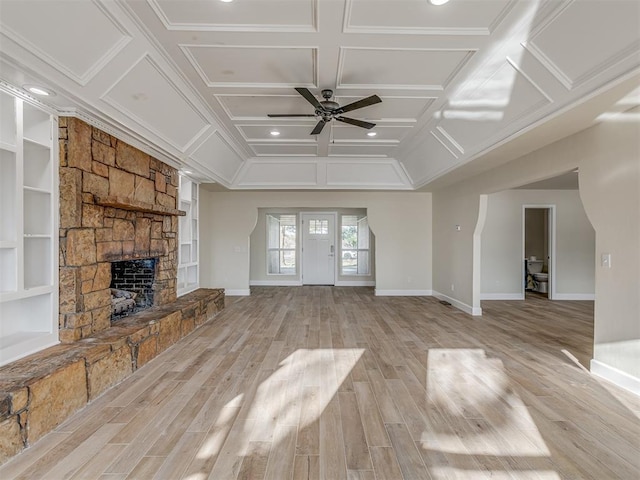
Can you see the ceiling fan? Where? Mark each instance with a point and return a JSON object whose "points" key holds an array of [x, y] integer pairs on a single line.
{"points": [[328, 110]]}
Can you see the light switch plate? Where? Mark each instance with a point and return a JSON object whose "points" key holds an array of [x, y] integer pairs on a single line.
{"points": [[606, 260]]}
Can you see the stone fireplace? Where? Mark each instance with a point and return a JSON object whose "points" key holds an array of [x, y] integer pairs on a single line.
{"points": [[116, 204]]}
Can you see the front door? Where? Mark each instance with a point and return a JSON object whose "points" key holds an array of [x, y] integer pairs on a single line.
{"points": [[318, 249]]}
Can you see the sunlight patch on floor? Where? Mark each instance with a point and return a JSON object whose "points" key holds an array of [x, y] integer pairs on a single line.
{"points": [[274, 414], [477, 422]]}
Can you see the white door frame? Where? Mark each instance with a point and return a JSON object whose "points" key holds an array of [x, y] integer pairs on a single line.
{"points": [[303, 214], [551, 292]]}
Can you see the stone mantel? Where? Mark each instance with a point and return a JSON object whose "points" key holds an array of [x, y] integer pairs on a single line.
{"points": [[132, 205]]}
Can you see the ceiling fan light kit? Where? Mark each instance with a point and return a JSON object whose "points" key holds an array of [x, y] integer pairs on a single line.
{"points": [[328, 110]]}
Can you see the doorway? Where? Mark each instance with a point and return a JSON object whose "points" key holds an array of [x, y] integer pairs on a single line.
{"points": [[539, 250], [318, 249]]}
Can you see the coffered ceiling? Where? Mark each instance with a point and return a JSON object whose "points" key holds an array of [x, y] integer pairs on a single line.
{"points": [[192, 81]]}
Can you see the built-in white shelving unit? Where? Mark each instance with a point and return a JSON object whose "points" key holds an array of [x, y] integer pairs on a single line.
{"points": [[28, 228], [188, 273]]}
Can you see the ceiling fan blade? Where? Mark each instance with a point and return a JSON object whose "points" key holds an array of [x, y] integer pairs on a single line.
{"points": [[309, 96], [365, 102], [278, 115], [318, 128], [357, 123]]}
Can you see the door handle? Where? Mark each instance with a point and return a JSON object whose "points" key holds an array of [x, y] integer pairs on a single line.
{"points": [[331, 250]]}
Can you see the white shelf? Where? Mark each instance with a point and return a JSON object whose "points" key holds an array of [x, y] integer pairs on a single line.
{"points": [[20, 344], [36, 125], [8, 147], [25, 293], [34, 142], [28, 220]]}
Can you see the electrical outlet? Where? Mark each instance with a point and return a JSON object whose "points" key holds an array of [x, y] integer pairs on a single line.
{"points": [[453, 287]]}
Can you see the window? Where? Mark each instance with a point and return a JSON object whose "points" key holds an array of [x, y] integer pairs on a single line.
{"points": [[281, 244], [318, 227], [354, 245]]}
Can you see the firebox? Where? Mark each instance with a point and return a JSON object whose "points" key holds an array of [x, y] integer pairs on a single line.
{"points": [[132, 286]]}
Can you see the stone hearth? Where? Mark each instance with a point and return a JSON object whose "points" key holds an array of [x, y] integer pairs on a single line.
{"points": [[38, 392]]}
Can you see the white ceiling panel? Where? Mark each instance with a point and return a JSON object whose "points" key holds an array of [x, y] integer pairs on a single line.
{"points": [[392, 107], [288, 133], [431, 157], [148, 97], [216, 155], [420, 16], [283, 150], [505, 98], [248, 15], [363, 174], [340, 150], [253, 66], [396, 68], [252, 107], [594, 45], [77, 48], [384, 134], [279, 173]]}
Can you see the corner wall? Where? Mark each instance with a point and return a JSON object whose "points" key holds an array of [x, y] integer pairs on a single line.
{"points": [[610, 190]]}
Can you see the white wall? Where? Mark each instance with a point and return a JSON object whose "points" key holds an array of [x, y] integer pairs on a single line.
{"points": [[610, 190], [400, 221], [502, 237], [608, 155]]}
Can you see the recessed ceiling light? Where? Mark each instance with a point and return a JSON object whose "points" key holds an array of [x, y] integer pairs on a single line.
{"points": [[371, 134], [275, 133], [188, 172], [438, 2], [38, 90], [226, 1]]}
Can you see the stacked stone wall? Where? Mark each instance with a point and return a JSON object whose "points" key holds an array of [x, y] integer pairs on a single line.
{"points": [[98, 170]]}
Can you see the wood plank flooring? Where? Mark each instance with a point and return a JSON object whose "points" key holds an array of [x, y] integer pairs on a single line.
{"points": [[311, 383]]}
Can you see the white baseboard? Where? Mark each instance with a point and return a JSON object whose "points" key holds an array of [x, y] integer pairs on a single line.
{"points": [[476, 312], [275, 283], [574, 296], [403, 293], [618, 377], [237, 293], [501, 296], [355, 283]]}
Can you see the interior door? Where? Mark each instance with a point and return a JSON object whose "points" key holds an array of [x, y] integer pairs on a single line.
{"points": [[318, 249]]}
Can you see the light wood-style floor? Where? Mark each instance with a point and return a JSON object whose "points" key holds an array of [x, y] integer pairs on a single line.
{"points": [[335, 383]]}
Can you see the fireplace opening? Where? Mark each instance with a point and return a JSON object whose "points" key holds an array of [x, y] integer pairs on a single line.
{"points": [[132, 283]]}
